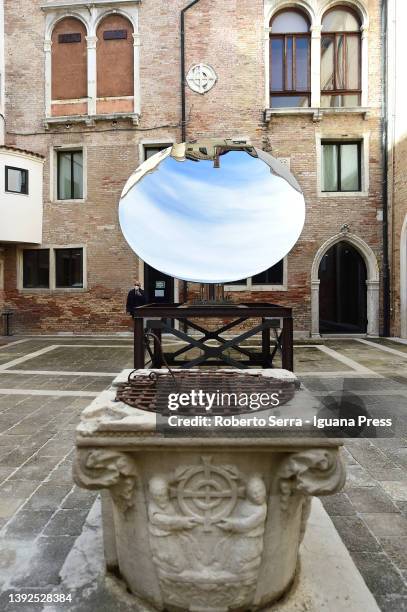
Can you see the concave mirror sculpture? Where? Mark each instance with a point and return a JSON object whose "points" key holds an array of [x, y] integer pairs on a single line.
{"points": [[211, 213]]}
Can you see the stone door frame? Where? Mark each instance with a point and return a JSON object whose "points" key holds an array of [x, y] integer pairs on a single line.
{"points": [[372, 282]]}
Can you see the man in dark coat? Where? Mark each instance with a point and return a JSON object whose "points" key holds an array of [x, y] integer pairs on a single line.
{"points": [[135, 297]]}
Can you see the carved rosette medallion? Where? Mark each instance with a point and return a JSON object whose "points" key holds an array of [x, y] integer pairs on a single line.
{"points": [[207, 492], [201, 78], [206, 527]]}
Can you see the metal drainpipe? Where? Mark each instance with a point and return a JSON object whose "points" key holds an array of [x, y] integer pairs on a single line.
{"points": [[385, 141], [183, 103]]}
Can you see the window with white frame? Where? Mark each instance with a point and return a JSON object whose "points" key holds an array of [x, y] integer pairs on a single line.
{"points": [[273, 277], [70, 175], [341, 166], [290, 59], [316, 62], [340, 58]]}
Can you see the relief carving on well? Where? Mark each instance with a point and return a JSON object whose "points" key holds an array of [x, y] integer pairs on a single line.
{"points": [[107, 469], [206, 527], [310, 472], [207, 522]]}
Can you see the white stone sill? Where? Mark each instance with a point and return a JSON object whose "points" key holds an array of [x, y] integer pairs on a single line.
{"points": [[62, 4], [317, 113], [343, 194], [53, 291], [73, 201], [90, 119], [232, 288], [17, 193]]}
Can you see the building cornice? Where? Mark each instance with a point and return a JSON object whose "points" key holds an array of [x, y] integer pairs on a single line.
{"points": [[63, 4], [21, 152], [317, 113], [90, 119]]}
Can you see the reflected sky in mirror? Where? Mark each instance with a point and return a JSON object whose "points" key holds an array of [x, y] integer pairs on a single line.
{"points": [[205, 224]]}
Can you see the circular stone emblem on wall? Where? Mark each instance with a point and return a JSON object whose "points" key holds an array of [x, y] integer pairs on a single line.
{"points": [[201, 78]]}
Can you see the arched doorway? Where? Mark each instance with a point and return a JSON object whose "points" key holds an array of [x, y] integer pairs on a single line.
{"points": [[342, 290], [372, 282]]}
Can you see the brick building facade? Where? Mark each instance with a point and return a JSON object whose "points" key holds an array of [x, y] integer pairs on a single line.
{"points": [[94, 86]]}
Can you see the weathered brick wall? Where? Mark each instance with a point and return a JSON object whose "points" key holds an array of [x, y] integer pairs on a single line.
{"points": [[397, 175], [399, 201], [228, 35]]}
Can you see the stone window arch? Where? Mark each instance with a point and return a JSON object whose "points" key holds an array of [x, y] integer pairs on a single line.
{"points": [[372, 282], [341, 57], [315, 11], [290, 59], [69, 80], [115, 65], [90, 21]]}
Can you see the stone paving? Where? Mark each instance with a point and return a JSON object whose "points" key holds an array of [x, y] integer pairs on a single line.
{"points": [[46, 382]]}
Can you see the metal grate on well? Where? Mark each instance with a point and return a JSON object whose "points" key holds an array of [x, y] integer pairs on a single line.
{"points": [[232, 393]]}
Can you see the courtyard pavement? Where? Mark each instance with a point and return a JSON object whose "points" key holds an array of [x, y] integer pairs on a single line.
{"points": [[46, 382]]}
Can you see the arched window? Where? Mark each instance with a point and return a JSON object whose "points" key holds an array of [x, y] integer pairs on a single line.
{"points": [[340, 58], [290, 59], [69, 89], [115, 81]]}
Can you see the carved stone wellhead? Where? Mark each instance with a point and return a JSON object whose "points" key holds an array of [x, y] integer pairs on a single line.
{"points": [[201, 524]]}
